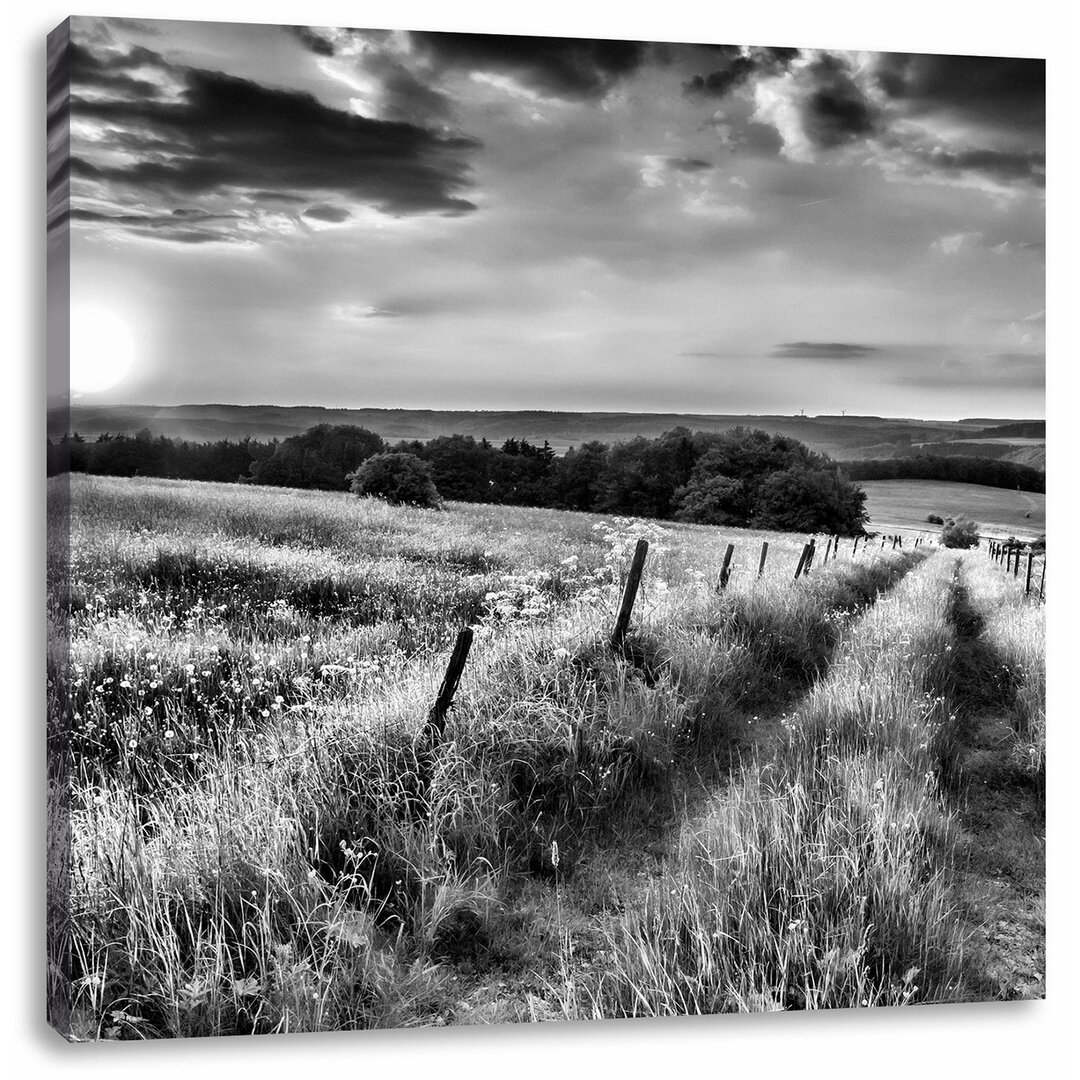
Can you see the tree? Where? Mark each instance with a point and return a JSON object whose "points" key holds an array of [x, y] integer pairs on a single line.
{"points": [[397, 478], [802, 499], [576, 474], [710, 500], [749, 477], [960, 533], [319, 458]]}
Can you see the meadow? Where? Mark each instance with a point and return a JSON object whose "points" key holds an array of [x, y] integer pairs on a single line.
{"points": [[763, 801], [905, 504]]}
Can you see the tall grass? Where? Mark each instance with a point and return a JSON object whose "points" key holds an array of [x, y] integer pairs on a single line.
{"points": [[259, 839], [1011, 635], [819, 878]]}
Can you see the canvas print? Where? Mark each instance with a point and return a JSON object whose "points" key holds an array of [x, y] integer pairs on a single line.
{"points": [[539, 528]]}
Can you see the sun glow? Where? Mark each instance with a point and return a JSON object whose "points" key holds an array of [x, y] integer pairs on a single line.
{"points": [[102, 348]]}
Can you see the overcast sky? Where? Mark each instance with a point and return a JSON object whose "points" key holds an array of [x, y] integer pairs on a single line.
{"points": [[371, 218]]}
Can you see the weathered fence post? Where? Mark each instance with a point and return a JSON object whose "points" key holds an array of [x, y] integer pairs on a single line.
{"points": [[802, 560], [1016, 564], [1042, 578], [764, 556], [436, 722], [835, 547], [1031, 562], [810, 555], [828, 548], [725, 570], [633, 580], [855, 547]]}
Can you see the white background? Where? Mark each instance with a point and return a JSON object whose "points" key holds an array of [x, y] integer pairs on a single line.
{"points": [[1029, 1040]]}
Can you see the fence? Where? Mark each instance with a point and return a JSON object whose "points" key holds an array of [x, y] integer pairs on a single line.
{"points": [[1012, 555]]}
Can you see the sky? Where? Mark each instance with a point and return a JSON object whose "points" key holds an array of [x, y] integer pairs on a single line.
{"points": [[358, 218]]}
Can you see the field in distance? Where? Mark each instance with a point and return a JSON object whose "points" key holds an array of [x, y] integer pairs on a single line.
{"points": [[905, 505]]}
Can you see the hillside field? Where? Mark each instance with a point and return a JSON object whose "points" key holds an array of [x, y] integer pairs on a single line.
{"points": [[903, 505], [788, 794]]}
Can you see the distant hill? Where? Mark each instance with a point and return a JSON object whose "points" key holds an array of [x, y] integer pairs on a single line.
{"points": [[1026, 429], [839, 436]]}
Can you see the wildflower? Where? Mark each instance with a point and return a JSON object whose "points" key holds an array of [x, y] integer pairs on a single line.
{"points": [[170, 734]]}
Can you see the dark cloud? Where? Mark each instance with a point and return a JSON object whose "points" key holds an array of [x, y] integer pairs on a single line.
{"points": [[575, 69], [736, 68], [688, 165], [177, 226], [334, 214], [834, 111], [822, 350], [1004, 166], [222, 135], [992, 91]]}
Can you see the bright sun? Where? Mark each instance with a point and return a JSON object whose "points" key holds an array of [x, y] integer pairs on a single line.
{"points": [[102, 348]]}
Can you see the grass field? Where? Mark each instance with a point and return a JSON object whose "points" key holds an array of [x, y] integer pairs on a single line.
{"points": [[903, 505], [760, 802]]}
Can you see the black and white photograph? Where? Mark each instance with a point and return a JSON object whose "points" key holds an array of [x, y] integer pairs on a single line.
{"points": [[540, 528]]}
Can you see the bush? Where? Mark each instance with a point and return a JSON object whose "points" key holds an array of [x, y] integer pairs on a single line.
{"points": [[960, 533], [397, 478], [935, 519]]}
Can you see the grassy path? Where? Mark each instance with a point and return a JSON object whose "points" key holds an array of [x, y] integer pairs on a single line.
{"points": [[577, 915], [819, 876], [1001, 806]]}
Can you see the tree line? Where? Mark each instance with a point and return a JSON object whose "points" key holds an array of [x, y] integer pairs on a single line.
{"points": [[742, 477], [989, 472]]}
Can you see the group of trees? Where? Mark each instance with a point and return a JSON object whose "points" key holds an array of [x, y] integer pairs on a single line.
{"points": [[966, 470], [740, 477]]}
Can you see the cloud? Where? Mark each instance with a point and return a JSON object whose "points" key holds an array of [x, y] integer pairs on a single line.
{"points": [[688, 165], [737, 65], [335, 215], [313, 40], [955, 242], [165, 133], [986, 91], [572, 69], [817, 105], [822, 350], [655, 168], [350, 312]]}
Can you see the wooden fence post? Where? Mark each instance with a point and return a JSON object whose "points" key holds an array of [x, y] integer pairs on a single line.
{"points": [[802, 560], [436, 722], [764, 556], [633, 580], [1031, 562], [810, 555], [1016, 564], [725, 570], [1042, 578], [828, 548]]}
